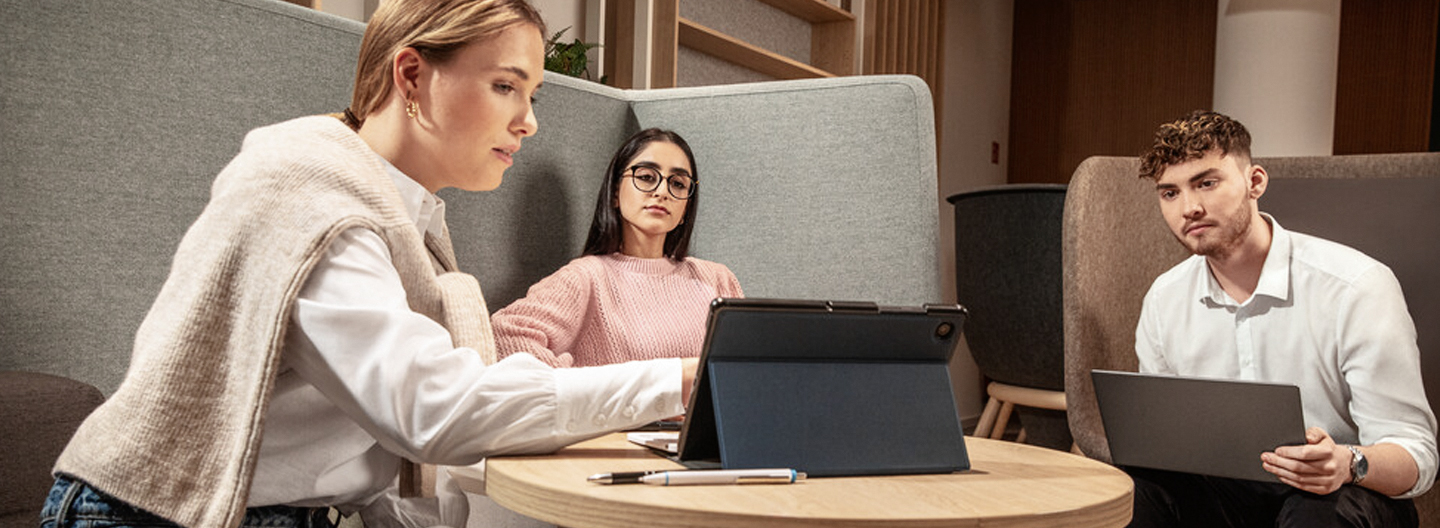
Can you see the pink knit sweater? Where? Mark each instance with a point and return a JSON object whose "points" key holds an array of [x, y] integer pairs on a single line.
{"points": [[614, 308]]}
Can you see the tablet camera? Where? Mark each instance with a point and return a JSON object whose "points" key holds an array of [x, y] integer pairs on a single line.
{"points": [[943, 330]]}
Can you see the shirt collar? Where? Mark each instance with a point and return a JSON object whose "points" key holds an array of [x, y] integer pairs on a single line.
{"points": [[1274, 275], [426, 209]]}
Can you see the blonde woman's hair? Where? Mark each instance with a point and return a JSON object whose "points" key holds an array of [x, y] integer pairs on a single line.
{"points": [[436, 29]]}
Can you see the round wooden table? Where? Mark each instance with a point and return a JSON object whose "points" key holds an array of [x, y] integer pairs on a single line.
{"points": [[1009, 484]]}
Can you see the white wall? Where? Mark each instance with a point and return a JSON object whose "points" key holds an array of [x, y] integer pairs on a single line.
{"points": [[560, 14], [1276, 66], [351, 9], [976, 114]]}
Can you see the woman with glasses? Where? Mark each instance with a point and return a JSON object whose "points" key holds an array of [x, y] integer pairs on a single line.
{"points": [[635, 293]]}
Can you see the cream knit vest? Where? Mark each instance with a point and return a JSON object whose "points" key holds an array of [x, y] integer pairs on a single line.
{"points": [[180, 437]]}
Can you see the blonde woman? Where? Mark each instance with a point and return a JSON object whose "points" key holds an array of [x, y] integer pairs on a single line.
{"points": [[314, 331]]}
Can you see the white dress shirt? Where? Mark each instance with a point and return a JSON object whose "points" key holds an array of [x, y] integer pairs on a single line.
{"points": [[1324, 317], [364, 380]]}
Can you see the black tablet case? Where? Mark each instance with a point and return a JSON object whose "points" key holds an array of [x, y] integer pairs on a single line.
{"points": [[828, 388]]}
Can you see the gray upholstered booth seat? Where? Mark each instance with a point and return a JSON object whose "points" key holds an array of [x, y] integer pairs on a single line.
{"points": [[1115, 244], [114, 119], [115, 116]]}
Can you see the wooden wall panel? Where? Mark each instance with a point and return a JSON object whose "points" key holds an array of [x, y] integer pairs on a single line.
{"points": [[665, 43], [619, 48], [1384, 93], [905, 36], [1095, 77]]}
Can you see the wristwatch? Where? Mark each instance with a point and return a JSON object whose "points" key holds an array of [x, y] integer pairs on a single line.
{"points": [[1359, 466]]}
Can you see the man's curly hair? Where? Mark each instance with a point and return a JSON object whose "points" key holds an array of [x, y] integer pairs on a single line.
{"points": [[1190, 138]]}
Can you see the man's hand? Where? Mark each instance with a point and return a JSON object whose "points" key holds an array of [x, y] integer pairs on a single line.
{"points": [[1321, 466]]}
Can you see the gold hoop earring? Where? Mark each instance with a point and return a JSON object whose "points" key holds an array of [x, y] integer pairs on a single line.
{"points": [[411, 109]]}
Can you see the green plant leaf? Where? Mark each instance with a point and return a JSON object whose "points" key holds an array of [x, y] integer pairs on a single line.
{"points": [[568, 58]]}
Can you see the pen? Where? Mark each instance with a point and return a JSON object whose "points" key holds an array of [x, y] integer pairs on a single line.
{"points": [[621, 477], [723, 476]]}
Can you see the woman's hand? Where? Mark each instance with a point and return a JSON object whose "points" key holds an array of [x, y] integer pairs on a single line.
{"points": [[689, 367]]}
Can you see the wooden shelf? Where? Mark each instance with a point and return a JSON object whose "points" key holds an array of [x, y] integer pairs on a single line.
{"points": [[725, 47], [832, 42], [813, 11]]}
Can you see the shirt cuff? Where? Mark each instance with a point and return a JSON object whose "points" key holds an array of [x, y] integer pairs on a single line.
{"points": [[1425, 467], [597, 400]]}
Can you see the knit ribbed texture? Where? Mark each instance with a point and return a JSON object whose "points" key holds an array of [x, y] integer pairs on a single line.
{"points": [[599, 310], [180, 437]]}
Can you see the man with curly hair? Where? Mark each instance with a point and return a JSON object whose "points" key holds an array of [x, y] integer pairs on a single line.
{"points": [[1257, 302]]}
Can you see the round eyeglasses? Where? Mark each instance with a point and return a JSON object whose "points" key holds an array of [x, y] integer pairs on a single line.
{"points": [[647, 179]]}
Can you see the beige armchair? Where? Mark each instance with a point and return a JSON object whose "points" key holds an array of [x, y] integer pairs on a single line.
{"points": [[1115, 243]]}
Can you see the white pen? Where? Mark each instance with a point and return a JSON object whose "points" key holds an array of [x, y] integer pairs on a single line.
{"points": [[724, 476]]}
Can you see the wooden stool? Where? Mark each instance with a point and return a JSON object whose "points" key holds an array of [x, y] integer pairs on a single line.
{"points": [[1004, 398]]}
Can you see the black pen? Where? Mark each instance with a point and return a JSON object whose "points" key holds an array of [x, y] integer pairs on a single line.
{"points": [[623, 477]]}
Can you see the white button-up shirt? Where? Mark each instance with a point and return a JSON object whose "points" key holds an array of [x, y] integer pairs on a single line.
{"points": [[1324, 317], [364, 380]]}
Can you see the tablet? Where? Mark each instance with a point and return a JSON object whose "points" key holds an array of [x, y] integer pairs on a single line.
{"points": [[826, 387], [1206, 426]]}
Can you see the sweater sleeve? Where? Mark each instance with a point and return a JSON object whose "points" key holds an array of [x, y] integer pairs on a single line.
{"points": [[720, 277], [548, 320], [729, 285]]}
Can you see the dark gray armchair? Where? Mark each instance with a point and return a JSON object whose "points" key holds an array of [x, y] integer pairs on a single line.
{"points": [[1007, 272], [38, 415]]}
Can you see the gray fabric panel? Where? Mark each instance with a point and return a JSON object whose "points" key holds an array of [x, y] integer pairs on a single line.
{"points": [[1116, 243], [755, 23], [537, 219], [693, 68], [813, 189], [114, 119]]}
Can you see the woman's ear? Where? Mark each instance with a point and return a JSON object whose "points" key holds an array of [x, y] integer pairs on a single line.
{"points": [[406, 72]]}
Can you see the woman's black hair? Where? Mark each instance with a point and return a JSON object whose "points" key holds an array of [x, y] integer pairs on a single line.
{"points": [[606, 231]]}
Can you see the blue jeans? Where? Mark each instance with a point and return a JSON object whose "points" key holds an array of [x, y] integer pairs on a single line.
{"points": [[73, 503]]}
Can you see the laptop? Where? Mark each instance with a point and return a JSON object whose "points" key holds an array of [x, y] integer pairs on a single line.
{"points": [[826, 387], [1205, 426]]}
